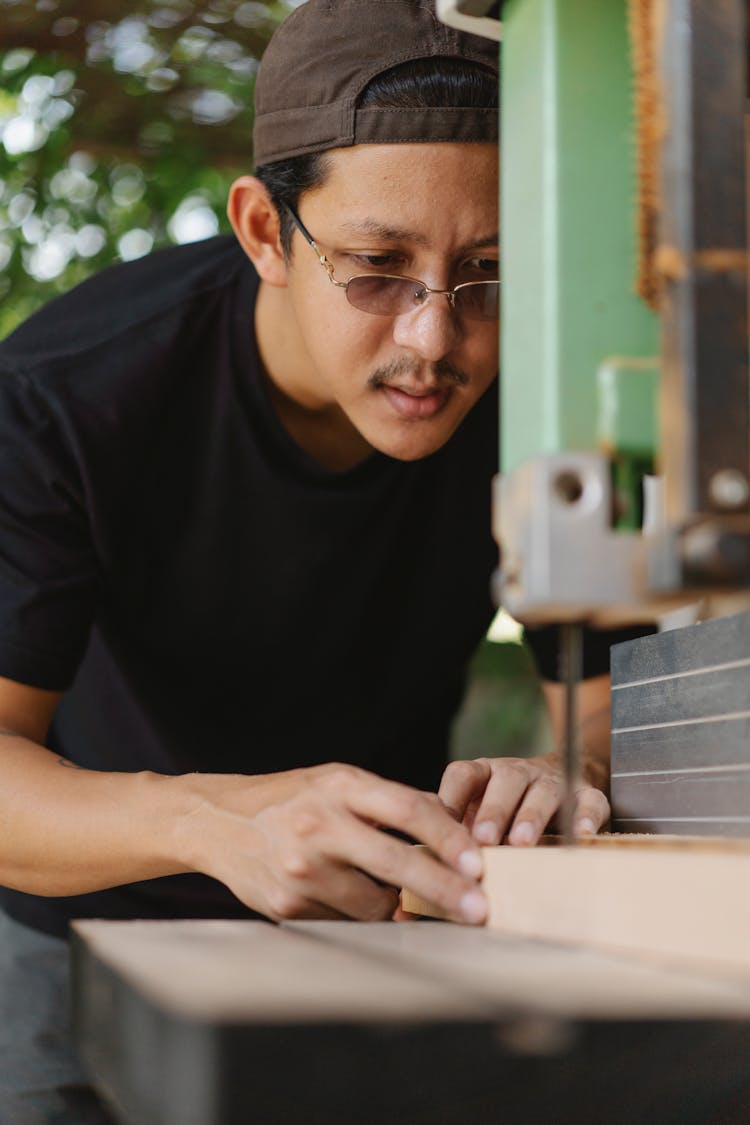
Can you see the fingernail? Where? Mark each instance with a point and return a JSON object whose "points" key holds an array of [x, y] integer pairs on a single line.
{"points": [[486, 832], [585, 827], [523, 833], [470, 864], [474, 906]]}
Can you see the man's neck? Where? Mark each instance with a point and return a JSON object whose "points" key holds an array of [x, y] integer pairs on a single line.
{"points": [[320, 428]]}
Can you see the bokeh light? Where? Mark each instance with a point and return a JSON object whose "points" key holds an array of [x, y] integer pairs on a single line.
{"points": [[118, 135]]}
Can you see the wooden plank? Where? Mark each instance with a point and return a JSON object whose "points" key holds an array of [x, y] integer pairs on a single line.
{"points": [[662, 899], [683, 904], [539, 977], [227, 971], [321, 972]]}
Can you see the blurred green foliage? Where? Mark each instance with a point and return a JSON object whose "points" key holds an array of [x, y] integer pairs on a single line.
{"points": [[503, 712], [121, 128]]}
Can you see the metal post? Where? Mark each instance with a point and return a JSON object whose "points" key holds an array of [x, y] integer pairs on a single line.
{"points": [[702, 257]]}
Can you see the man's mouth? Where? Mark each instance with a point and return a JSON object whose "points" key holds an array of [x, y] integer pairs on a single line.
{"points": [[416, 391], [416, 402]]}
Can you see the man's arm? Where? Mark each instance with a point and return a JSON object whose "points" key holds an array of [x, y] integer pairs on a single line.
{"points": [[593, 706], [303, 843], [518, 797]]}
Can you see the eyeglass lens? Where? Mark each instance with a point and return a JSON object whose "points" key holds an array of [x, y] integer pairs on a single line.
{"points": [[390, 296]]}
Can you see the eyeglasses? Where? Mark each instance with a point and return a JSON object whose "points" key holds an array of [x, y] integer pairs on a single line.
{"points": [[390, 295]]}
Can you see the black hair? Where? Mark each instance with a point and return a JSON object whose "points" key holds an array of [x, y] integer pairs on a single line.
{"points": [[433, 83]]}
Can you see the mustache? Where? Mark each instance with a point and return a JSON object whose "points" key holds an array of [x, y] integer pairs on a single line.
{"points": [[443, 369]]}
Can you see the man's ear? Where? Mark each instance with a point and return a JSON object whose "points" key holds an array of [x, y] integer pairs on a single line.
{"points": [[256, 224]]}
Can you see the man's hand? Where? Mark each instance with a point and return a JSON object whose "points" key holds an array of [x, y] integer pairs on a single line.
{"points": [[517, 797], [319, 849], [302, 843]]}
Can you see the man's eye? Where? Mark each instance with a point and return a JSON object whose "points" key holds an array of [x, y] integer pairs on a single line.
{"points": [[376, 261], [490, 266]]}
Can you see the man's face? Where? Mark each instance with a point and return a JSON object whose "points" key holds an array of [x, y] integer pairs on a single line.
{"points": [[404, 382]]}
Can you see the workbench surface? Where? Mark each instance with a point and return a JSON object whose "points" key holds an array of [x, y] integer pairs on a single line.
{"points": [[217, 1023]]}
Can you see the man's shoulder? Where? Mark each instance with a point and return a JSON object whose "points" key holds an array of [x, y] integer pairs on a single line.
{"points": [[117, 306]]}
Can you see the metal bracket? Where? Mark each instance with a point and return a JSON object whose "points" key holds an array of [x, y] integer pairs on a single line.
{"points": [[470, 15], [561, 559]]}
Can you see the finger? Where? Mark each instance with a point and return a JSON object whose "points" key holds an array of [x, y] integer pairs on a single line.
{"points": [[539, 805], [355, 895], [470, 815], [592, 811], [505, 791], [462, 783], [288, 903], [400, 864], [311, 881], [419, 815], [283, 904]]}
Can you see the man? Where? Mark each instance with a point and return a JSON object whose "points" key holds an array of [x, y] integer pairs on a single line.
{"points": [[244, 524]]}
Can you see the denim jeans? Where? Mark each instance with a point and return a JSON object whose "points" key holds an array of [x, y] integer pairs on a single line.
{"points": [[42, 1081]]}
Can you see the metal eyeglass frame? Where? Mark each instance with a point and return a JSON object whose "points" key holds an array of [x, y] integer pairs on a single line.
{"points": [[420, 296]]}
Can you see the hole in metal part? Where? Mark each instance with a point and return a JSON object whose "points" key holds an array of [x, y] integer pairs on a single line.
{"points": [[568, 487]]}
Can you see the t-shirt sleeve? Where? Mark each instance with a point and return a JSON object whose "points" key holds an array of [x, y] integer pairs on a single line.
{"points": [[48, 568], [544, 642]]}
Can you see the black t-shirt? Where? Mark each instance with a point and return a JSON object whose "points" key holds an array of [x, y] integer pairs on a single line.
{"points": [[208, 596]]}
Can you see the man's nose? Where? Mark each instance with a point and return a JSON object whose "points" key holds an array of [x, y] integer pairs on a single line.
{"points": [[431, 329]]}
